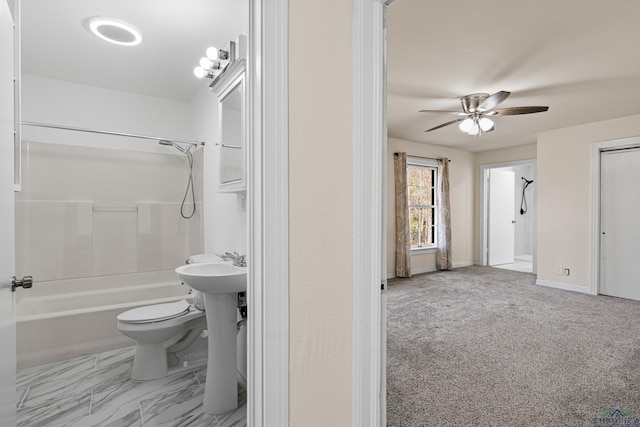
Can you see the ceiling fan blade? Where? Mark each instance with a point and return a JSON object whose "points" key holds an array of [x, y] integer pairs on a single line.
{"points": [[446, 124], [512, 111], [492, 102], [458, 113]]}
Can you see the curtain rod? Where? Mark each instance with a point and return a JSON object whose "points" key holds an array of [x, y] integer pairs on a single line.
{"points": [[106, 132], [422, 157]]}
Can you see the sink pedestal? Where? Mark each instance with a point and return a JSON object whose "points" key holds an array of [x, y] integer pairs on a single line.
{"points": [[220, 283], [221, 387]]}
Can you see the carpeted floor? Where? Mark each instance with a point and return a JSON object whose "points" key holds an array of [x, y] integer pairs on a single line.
{"points": [[480, 346]]}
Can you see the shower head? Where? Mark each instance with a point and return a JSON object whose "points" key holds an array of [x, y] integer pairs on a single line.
{"points": [[173, 144], [528, 181]]}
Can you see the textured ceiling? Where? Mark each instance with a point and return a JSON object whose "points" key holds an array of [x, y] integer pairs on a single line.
{"points": [[579, 57]]}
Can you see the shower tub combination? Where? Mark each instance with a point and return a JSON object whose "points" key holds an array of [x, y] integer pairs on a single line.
{"points": [[62, 319], [101, 232]]}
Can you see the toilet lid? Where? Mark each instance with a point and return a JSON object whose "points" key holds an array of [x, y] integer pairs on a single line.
{"points": [[155, 313]]}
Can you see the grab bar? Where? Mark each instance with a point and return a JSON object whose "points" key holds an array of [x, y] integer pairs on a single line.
{"points": [[114, 209]]}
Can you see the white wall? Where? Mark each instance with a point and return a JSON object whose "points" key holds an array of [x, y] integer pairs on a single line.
{"points": [[64, 103], [225, 217], [461, 186]]}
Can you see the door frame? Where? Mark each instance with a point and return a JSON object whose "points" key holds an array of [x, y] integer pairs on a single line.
{"points": [[8, 123], [267, 214], [369, 256], [484, 208], [596, 149]]}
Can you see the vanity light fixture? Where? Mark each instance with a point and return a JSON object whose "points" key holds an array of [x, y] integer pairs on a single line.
{"points": [[215, 61], [114, 30]]}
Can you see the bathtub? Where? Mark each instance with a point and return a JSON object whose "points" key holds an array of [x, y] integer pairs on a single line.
{"points": [[63, 319]]}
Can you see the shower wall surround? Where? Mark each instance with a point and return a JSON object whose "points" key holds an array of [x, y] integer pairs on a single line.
{"points": [[87, 212], [524, 227]]}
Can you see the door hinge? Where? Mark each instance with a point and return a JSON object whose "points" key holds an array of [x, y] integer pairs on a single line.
{"points": [[382, 286]]}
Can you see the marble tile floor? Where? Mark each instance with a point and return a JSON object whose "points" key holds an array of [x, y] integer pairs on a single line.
{"points": [[97, 390]]}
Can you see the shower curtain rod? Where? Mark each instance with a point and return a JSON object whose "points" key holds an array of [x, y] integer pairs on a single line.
{"points": [[106, 132]]}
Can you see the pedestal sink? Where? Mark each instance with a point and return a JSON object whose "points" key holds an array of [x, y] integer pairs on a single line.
{"points": [[219, 282]]}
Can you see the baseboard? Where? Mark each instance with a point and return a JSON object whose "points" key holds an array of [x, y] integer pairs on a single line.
{"points": [[563, 286], [432, 269], [463, 264]]}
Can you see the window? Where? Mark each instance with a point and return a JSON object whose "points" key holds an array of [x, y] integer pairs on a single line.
{"points": [[422, 176]]}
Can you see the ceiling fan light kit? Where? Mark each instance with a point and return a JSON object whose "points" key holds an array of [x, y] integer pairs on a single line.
{"points": [[475, 109]]}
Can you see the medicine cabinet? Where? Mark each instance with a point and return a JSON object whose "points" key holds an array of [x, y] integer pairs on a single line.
{"points": [[231, 92]]}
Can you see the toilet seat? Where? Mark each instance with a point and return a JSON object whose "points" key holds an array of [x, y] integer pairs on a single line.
{"points": [[155, 313]]}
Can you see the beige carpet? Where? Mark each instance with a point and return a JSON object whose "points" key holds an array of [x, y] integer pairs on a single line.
{"points": [[481, 346]]}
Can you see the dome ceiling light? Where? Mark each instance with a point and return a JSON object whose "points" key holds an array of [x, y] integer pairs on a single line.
{"points": [[114, 30]]}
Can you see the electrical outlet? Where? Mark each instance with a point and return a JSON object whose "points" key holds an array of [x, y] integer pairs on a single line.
{"points": [[559, 271], [567, 272]]}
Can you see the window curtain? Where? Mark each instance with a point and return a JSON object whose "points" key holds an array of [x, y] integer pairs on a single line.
{"points": [[403, 234], [443, 256]]}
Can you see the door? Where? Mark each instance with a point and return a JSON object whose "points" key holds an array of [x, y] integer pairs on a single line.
{"points": [[7, 307], [501, 217], [619, 225]]}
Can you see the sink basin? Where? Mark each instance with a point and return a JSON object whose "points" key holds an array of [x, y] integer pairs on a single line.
{"points": [[214, 277], [220, 283]]}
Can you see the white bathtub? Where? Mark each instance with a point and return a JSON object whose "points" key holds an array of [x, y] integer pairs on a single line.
{"points": [[62, 319]]}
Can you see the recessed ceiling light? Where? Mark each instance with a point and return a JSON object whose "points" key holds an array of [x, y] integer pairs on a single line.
{"points": [[114, 30]]}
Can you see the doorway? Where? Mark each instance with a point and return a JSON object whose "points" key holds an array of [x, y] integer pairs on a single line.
{"points": [[508, 215]]}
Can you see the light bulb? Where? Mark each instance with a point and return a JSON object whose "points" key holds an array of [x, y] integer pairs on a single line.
{"points": [[485, 124], [199, 72], [213, 53], [206, 63], [465, 125], [475, 129]]}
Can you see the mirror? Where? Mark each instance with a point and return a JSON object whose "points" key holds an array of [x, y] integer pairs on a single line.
{"points": [[231, 136], [231, 94]]}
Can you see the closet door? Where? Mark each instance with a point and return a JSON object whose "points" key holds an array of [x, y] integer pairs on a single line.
{"points": [[620, 223]]}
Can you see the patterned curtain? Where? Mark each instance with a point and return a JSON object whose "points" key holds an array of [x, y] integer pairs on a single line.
{"points": [[403, 234], [443, 256]]}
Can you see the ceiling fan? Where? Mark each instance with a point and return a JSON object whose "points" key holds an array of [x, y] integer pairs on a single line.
{"points": [[477, 109]]}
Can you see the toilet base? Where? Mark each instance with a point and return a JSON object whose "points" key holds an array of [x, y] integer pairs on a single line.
{"points": [[150, 363]]}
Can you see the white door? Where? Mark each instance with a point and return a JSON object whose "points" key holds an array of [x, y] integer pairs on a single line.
{"points": [[501, 230], [7, 307], [620, 223]]}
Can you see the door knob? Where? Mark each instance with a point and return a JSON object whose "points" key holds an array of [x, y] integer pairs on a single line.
{"points": [[26, 282]]}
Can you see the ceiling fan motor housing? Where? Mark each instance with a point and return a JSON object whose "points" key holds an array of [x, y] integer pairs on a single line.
{"points": [[470, 103]]}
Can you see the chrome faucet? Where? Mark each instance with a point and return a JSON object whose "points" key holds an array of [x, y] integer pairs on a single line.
{"points": [[238, 260]]}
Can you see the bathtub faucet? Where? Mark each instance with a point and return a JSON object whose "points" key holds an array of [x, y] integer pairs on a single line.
{"points": [[238, 260]]}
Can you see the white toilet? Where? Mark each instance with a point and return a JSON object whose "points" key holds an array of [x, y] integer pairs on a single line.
{"points": [[170, 337]]}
